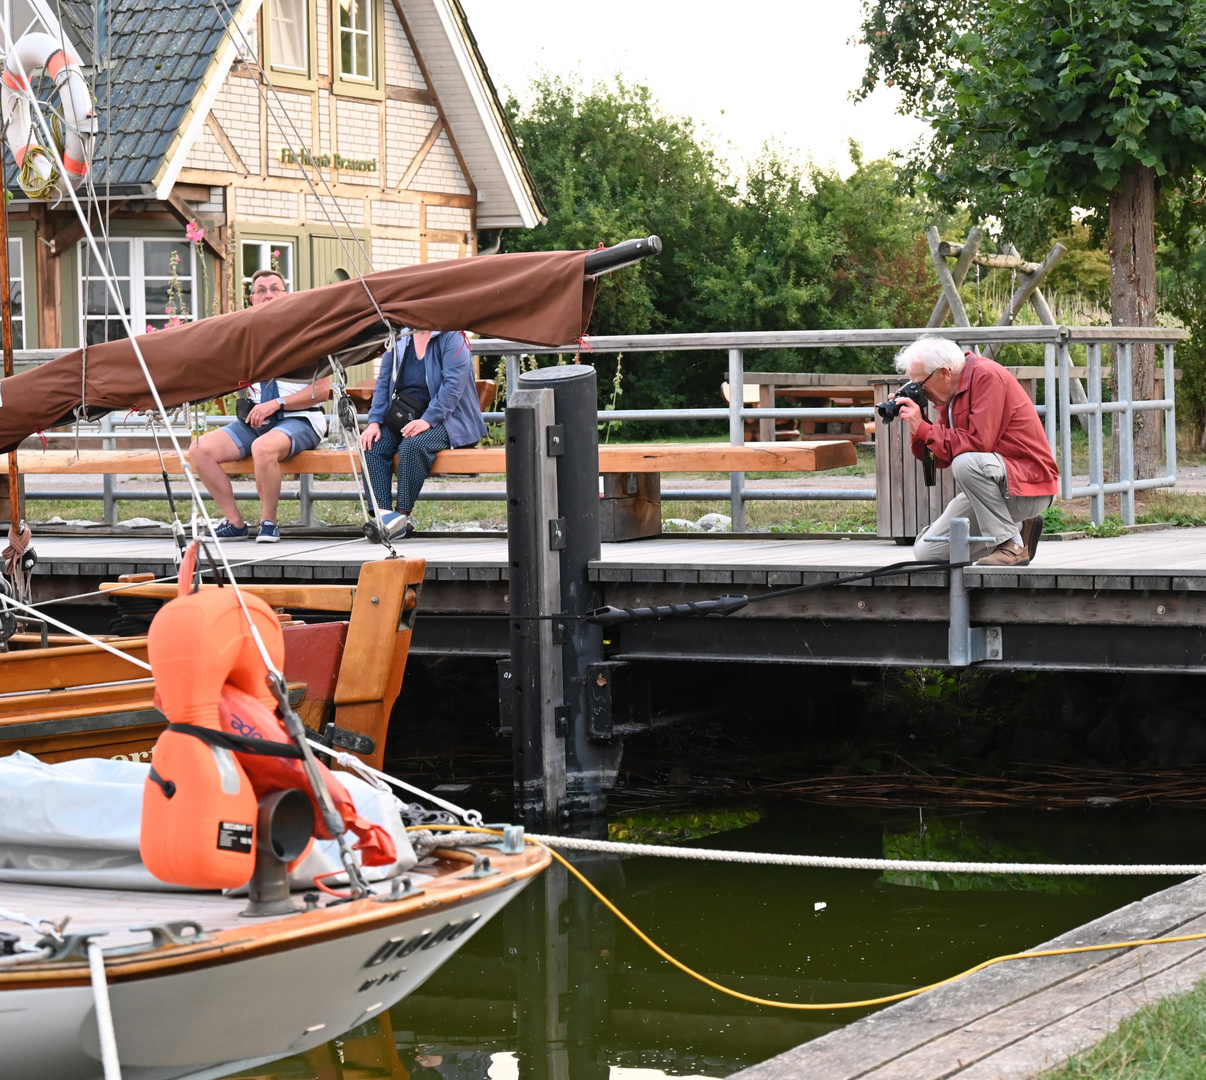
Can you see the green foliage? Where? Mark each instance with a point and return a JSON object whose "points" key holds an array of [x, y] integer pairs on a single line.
{"points": [[1058, 100], [787, 248], [959, 840], [660, 828], [1162, 1041]]}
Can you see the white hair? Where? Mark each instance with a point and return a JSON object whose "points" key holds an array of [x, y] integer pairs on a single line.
{"points": [[931, 352]]}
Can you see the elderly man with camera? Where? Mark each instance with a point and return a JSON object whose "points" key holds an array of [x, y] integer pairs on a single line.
{"points": [[987, 432]]}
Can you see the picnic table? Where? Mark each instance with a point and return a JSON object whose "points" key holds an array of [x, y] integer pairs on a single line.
{"points": [[807, 389]]}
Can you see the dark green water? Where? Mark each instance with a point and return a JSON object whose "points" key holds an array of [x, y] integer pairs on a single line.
{"points": [[556, 988]]}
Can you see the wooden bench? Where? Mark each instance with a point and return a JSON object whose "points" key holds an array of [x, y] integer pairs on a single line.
{"points": [[631, 473]]}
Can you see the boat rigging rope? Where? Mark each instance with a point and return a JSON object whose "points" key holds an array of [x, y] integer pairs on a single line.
{"points": [[104, 1012], [276, 681], [812, 1006]]}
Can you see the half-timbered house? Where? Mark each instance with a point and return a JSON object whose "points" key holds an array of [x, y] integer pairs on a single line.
{"points": [[318, 137]]}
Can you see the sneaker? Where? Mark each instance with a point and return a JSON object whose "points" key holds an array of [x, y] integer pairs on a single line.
{"points": [[224, 530], [1009, 553], [269, 533], [394, 524], [1032, 530]]}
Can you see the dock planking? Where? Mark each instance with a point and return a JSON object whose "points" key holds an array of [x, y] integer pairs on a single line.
{"points": [[1133, 602], [1015, 1020]]}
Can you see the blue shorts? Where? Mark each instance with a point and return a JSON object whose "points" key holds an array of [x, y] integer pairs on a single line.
{"points": [[302, 435]]}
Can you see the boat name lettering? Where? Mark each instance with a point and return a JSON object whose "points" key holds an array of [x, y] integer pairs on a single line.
{"points": [[133, 755], [396, 948], [381, 980], [235, 836], [243, 728]]}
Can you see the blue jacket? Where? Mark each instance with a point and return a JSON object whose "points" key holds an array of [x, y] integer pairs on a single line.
{"points": [[454, 403]]}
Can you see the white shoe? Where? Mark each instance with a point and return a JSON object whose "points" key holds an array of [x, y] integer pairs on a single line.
{"points": [[394, 524]]}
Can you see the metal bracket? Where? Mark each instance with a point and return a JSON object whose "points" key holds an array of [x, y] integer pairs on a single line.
{"points": [[561, 630], [555, 440], [172, 933], [351, 741], [400, 888], [557, 534], [966, 644], [482, 867], [561, 718]]}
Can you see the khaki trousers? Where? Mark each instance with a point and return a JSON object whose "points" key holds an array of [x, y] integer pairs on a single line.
{"points": [[985, 501]]}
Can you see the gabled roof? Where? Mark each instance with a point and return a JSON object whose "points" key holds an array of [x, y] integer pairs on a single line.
{"points": [[506, 192], [154, 68]]}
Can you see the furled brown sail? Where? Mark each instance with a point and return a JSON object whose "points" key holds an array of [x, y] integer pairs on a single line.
{"points": [[542, 298]]}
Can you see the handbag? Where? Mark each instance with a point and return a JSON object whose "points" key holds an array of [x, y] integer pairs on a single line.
{"points": [[403, 408], [243, 407]]}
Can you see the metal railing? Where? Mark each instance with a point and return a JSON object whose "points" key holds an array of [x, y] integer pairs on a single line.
{"points": [[1058, 342]]}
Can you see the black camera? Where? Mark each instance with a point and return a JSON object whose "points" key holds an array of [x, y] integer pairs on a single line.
{"points": [[890, 409]]}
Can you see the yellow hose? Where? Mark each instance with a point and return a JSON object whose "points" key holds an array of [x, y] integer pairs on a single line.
{"points": [[810, 1005]]}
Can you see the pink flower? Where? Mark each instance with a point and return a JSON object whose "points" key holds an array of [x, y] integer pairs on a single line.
{"points": [[276, 253], [193, 233], [151, 329], [168, 309]]}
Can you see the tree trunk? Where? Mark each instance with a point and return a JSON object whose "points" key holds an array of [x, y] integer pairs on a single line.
{"points": [[1133, 303]]}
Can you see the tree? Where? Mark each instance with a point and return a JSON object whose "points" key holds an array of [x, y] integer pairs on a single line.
{"points": [[1099, 104]]}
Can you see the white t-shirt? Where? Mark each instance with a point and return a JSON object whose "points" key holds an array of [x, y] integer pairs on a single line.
{"points": [[285, 387]]}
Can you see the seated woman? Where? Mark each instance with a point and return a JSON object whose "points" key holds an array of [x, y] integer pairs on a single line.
{"points": [[425, 401]]}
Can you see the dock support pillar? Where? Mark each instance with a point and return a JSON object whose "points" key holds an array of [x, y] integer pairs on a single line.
{"points": [[966, 644], [535, 679], [591, 765]]}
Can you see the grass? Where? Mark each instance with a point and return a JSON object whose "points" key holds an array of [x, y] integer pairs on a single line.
{"points": [[1163, 1041], [491, 515]]}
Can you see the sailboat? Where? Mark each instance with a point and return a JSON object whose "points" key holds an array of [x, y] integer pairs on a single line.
{"points": [[193, 979]]}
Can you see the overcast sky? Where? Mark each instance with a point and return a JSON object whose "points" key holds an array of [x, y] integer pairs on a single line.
{"points": [[745, 72]]}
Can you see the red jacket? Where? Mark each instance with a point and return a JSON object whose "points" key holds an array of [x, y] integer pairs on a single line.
{"points": [[990, 413]]}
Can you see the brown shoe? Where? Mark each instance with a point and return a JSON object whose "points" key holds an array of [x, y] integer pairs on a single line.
{"points": [[1032, 530], [1009, 553]]}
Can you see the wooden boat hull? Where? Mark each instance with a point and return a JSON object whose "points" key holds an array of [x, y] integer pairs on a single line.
{"points": [[260, 990]]}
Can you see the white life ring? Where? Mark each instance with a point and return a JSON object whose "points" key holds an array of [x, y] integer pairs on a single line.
{"points": [[38, 174]]}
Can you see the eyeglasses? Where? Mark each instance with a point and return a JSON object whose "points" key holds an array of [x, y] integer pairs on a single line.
{"points": [[270, 289]]}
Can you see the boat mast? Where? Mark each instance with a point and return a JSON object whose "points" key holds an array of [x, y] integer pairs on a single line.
{"points": [[6, 340]]}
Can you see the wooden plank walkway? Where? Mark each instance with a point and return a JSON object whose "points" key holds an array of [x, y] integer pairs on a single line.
{"points": [[1012, 1021], [1169, 559]]}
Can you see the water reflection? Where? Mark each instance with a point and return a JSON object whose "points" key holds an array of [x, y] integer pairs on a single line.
{"points": [[556, 989]]}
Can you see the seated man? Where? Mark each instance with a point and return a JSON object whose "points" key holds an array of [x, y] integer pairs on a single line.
{"points": [[284, 420], [990, 436], [428, 377]]}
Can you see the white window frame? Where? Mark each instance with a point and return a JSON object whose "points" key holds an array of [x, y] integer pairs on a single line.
{"points": [[16, 280], [264, 262], [301, 14], [137, 313], [369, 33]]}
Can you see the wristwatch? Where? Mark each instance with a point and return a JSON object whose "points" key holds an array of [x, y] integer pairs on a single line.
{"points": [[281, 402]]}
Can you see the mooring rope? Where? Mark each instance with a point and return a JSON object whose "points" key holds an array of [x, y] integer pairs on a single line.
{"points": [[834, 862], [811, 1006]]}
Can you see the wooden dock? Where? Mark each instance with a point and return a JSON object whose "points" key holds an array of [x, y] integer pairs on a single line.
{"points": [[1134, 602], [1015, 1020]]}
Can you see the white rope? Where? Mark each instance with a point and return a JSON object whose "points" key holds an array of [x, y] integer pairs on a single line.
{"points": [[8, 601], [375, 776], [104, 1013], [900, 866]]}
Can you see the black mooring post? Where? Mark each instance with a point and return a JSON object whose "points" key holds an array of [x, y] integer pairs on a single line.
{"points": [[574, 443], [531, 684]]}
